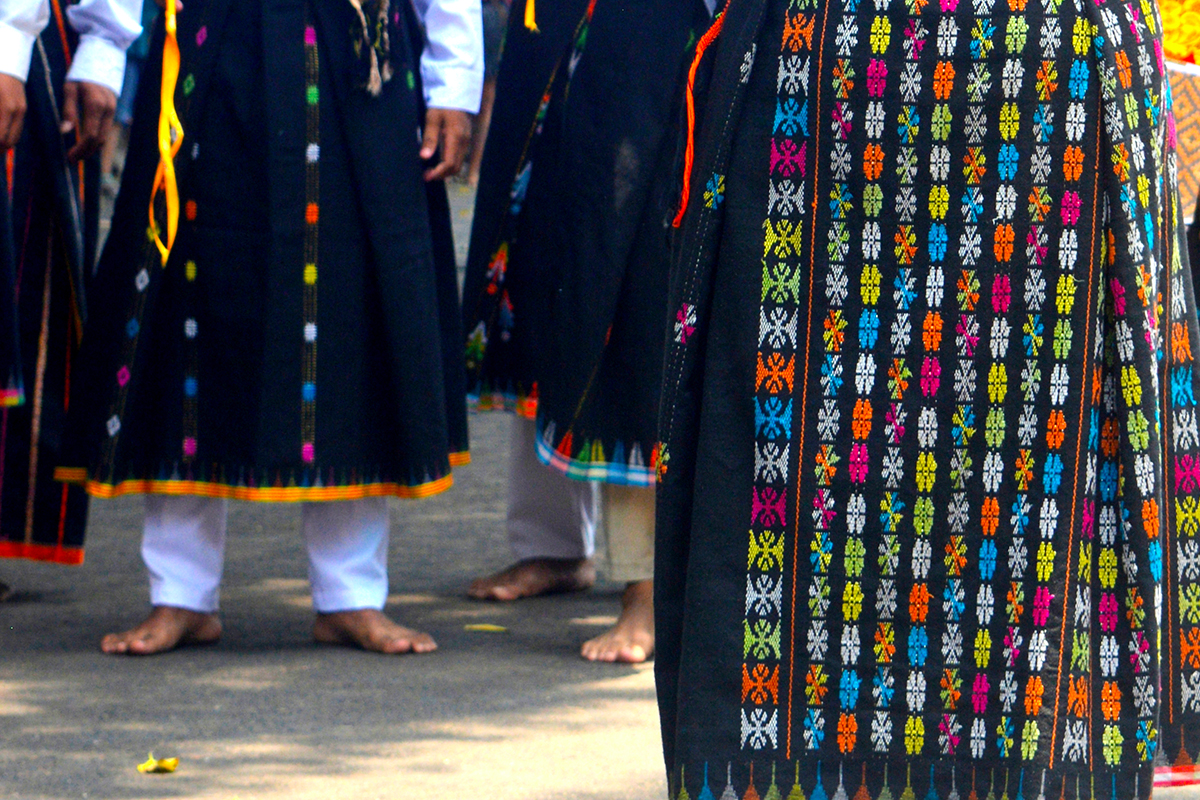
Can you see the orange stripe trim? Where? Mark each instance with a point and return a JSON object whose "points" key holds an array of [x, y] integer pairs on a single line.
{"points": [[460, 459], [72, 556], [60, 21], [1083, 404], [265, 494], [812, 268], [690, 153]]}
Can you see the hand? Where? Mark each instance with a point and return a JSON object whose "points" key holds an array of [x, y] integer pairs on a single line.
{"points": [[98, 104], [12, 110], [451, 129]]}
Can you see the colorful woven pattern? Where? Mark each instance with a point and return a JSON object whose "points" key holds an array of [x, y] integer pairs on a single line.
{"points": [[972, 472]]}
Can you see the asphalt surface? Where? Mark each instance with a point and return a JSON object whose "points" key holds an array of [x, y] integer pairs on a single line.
{"points": [[266, 713]]}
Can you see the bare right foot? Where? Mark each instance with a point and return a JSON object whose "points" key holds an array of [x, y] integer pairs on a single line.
{"points": [[165, 629], [535, 576]]}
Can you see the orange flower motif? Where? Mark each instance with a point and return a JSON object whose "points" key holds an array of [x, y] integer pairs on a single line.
{"points": [[847, 730], [1056, 428], [1110, 700], [873, 162], [943, 80], [1073, 163]]}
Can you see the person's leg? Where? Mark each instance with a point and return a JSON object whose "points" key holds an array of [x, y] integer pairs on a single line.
{"points": [[347, 564], [551, 526], [183, 547], [629, 524]]}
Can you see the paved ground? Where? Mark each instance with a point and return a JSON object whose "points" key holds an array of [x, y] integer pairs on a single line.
{"points": [[268, 714]]}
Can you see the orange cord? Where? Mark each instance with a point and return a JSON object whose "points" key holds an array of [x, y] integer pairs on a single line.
{"points": [[689, 155]]}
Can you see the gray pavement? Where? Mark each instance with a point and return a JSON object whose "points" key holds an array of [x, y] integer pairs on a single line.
{"points": [[267, 714]]}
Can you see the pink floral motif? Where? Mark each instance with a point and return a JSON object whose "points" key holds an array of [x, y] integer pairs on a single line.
{"points": [[123, 376], [201, 36], [307, 453], [189, 446]]}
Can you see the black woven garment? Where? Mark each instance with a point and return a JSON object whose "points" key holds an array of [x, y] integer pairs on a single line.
{"points": [[567, 272], [302, 342], [929, 520], [47, 248]]}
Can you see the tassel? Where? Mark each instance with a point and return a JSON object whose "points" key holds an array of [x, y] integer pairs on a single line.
{"points": [[170, 139], [706, 40], [530, 17], [377, 47]]}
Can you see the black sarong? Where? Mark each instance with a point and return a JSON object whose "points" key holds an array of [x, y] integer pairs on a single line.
{"points": [[47, 249], [929, 520], [567, 272], [303, 341]]}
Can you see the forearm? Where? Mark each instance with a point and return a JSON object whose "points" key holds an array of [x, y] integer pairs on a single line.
{"points": [[21, 22], [452, 63], [106, 29]]}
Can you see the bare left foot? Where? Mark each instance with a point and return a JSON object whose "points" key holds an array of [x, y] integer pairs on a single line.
{"points": [[631, 640], [370, 630], [5, 592]]}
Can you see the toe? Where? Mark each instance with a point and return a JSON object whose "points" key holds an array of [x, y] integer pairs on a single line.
{"points": [[632, 654]]}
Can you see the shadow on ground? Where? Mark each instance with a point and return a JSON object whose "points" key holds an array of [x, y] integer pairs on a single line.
{"points": [[267, 714]]}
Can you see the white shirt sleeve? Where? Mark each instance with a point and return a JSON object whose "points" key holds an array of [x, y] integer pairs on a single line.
{"points": [[452, 64], [21, 22], [106, 28]]}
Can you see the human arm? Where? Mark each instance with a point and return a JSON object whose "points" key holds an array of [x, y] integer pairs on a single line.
{"points": [[21, 21], [452, 74], [106, 29]]}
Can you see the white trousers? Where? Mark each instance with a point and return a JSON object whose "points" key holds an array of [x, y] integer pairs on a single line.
{"points": [[183, 546], [553, 516], [549, 515]]}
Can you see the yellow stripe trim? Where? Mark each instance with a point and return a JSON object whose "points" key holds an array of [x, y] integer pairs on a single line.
{"points": [[265, 494]]}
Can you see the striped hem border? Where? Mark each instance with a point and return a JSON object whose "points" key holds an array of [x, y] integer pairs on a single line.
{"points": [[1165, 777], [523, 406], [608, 472], [55, 554], [265, 494]]}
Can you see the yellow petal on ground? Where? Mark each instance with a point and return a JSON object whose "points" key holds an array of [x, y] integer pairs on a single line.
{"points": [[157, 766], [485, 627]]}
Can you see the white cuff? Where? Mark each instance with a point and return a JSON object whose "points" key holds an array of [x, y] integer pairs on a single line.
{"points": [[98, 60], [453, 87], [16, 51]]}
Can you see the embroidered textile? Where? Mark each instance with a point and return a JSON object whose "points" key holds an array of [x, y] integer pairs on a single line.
{"points": [[301, 341], [928, 512]]}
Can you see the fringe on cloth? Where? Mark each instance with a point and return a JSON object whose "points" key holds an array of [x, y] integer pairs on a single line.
{"points": [[373, 44]]}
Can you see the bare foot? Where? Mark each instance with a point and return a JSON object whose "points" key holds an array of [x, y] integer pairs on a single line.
{"points": [[370, 630], [535, 576], [631, 640], [165, 629], [5, 592]]}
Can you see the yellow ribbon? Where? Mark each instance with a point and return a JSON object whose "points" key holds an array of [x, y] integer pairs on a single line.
{"points": [[170, 139], [530, 19]]}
